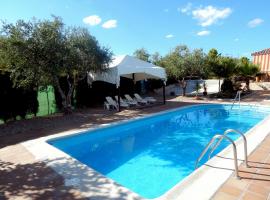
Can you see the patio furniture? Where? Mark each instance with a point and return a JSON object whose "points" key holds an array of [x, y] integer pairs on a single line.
{"points": [[111, 103], [123, 102], [140, 99], [147, 99], [130, 100], [107, 106]]}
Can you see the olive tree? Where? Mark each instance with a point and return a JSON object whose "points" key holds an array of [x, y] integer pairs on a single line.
{"points": [[142, 54], [41, 52], [181, 63]]}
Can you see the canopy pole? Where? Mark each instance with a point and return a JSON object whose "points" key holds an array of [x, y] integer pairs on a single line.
{"points": [[118, 100], [164, 96], [133, 79]]}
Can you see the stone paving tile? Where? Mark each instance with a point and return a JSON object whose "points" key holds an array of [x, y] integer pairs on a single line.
{"points": [[231, 190], [225, 196], [21, 177], [253, 196], [258, 189], [255, 180]]}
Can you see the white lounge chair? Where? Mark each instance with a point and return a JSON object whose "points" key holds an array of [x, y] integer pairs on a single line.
{"points": [[106, 106], [147, 99], [130, 100], [122, 102], [111, 103], [140, 100]]}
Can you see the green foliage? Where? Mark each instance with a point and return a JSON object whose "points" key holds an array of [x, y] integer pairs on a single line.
{"points": [[227, 67], [181, 62], [246, 68], [220, 66], [16, 102], [142, 54], [174, 62], [40, 52], [196, 63], [227, 86], [156, 59]]}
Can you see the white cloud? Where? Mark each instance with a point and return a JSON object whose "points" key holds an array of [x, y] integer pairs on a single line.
{"points": [[169, 36], [92, 20], [186, 8], [112, 23], [236, 39], [210, 15], [203, 33], [255, 22]]}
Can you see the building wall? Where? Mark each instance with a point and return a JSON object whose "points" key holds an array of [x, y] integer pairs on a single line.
{"points": [[263, 61]]}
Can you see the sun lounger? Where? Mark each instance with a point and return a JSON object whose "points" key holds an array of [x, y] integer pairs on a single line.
{"points": [[140, 100], [147, 99], [130, 100], [111, 103], [106, 106], [122, 102]]}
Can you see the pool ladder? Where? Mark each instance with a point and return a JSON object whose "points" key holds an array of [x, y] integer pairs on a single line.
{"points": [[238, 95], [220, 138]]}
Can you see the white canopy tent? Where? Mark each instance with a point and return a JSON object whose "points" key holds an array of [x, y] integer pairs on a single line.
{"points": [[129, 67]]}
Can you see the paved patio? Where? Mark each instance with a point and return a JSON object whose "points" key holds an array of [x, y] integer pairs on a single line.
{"points": [[255, 180], [22, 177]]}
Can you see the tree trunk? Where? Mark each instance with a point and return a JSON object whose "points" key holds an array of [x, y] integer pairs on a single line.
{"points": [[184, 91], [69, 99], [183, 85], [48, 103], [66, 99], [247, 83]]}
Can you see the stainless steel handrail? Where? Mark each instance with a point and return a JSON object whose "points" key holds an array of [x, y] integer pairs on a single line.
{"points": [[238, 94], [232, 131], [234, 152]]}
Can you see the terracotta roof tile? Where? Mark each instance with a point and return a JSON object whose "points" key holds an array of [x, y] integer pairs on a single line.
{"points": [[263, 52]]}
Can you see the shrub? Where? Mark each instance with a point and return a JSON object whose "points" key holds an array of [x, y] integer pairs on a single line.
{"points": [[16, 101], [227, 86]]}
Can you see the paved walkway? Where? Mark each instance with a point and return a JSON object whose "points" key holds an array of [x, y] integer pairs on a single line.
{"points": [[22, 177], [255, 180]]}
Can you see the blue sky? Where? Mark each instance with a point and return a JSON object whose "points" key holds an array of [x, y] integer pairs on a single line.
{"points": [[234, 27]]}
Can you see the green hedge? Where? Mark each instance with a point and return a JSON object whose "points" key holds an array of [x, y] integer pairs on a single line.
{"points": [[16, 102]]}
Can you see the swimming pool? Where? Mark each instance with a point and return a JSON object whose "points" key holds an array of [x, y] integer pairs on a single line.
{"points": [[151, 155]]}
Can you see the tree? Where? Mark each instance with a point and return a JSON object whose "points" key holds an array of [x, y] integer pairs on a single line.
{"points": [[247, 70], [176, 65], [182, 63], [213, 64], [227, 67], [156, 59], [195, 62], [220, 66], [41, 52], [142, 54]]}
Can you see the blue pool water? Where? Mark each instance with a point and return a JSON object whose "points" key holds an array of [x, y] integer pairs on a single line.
{"points": [[151, 155]]}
